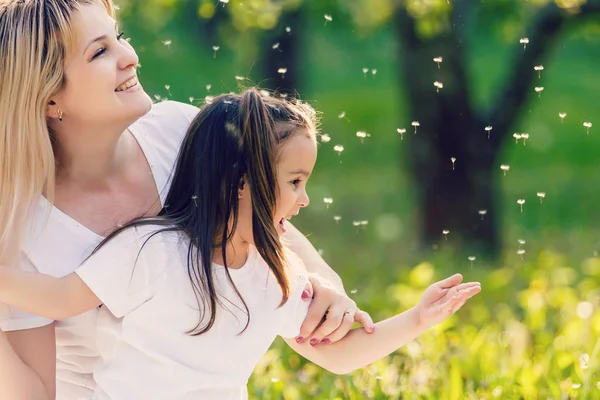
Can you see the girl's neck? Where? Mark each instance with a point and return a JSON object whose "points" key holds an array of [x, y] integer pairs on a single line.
{"points": [[236, 252]]}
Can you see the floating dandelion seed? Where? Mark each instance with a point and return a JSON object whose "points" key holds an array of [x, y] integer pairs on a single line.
{"points": [[438, 86], [520, 252], [224, 2], [168, 91], [276, 46], [401, 131], [584, 359], [524, 42], [356, 223], [239, 78], [524, 136], [488, 129], [328, 201], [562, 117], [353, 291], [587, 125], [327, 19], [521, 202], [337, 219], [342, 115], [365, 70], [471, 259], [282, 71], [215, 49], [191, 99], [288, 29], [438, 60], [453, 159], [541, 195], [208, 88], [539, 69], [325, 138], [167, 42], [521, 242], [362, 135], [209, 99], [517, 136], [194, 197], [339, 148], [482, 213], [415, 124], [445, 232], [505, 168], [539, 90], [374, 71]]}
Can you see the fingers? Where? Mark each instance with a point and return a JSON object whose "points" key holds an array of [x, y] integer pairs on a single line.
{"points": [[365, 320], [450, 281], [307, 293], [461, 297], [333, 329]]}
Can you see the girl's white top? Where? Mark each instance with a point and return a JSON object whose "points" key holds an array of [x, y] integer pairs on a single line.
{"points": [[57, 245], [150, 306]]}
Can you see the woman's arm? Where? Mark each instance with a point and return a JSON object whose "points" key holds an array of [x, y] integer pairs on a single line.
{"points": [[314, 263], [325, 319], [45, 295], [28, 364], [359, 349]]}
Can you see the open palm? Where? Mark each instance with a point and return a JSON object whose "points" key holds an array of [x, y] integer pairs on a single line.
{"points": [[444, 298]]}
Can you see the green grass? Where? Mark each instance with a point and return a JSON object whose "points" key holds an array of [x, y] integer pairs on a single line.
{"points": [[522, 337]]}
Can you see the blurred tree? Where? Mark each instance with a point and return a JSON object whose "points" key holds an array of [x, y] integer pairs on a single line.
{"points": [[451, 123]]}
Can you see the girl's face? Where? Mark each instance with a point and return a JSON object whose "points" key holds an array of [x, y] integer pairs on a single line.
{"points": [[100, 70], [296, 160]]}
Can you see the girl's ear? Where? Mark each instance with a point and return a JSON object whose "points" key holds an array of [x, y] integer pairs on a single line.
{"points": [[243, 190]]}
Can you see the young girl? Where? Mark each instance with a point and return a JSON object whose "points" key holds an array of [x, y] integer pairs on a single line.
{"points": [[191, 299]]}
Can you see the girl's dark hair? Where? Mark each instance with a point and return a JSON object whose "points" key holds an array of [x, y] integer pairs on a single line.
{"points": [[233, 141]]}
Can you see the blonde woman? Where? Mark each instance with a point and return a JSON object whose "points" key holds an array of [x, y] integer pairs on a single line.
{"points": [[82, 151]]}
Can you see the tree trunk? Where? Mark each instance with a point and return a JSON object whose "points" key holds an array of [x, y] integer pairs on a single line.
{"points": [[452, 195], [284, 55]]}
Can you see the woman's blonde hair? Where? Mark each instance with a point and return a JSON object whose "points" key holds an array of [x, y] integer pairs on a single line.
{"points": [[34, 38]]}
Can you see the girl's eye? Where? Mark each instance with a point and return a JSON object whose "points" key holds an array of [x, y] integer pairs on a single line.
{"points": [[296, 182]]}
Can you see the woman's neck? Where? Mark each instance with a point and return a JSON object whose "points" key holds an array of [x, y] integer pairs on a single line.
{"points": [[93, 158]]}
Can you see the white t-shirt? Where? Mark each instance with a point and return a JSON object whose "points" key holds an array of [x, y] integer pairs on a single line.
{"points": [[57, 245], [149, 305]]}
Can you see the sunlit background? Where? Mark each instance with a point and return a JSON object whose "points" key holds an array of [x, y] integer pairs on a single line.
{"points": [[457, 136]]}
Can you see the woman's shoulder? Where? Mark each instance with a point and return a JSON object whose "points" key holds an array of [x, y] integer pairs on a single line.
{"points": [[166, 119]]}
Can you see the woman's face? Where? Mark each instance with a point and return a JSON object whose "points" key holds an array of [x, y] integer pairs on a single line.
{"points": [[100, 70]]}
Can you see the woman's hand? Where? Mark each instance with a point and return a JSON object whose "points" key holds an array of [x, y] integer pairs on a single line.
{"points": [[444, 298], [330, 315]]}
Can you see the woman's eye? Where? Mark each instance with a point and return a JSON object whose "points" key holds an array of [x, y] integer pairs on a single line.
{"points": [[98, 53]]}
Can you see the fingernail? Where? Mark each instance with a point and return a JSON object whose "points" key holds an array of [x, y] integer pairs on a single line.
{"points": [[299, 339], [325, 341], [314, 342], [305, 295], [372, 328]]}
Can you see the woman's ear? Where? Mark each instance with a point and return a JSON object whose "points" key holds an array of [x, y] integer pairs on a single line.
{"points": [[243, 190], [52, 110]]}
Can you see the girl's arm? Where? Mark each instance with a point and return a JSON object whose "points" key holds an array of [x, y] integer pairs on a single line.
{"points": [[359, 349], [45, 295]]}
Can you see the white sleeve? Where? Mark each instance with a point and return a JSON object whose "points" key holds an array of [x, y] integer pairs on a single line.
{"points": [[12, 319], [295, 309], [127, 271]]}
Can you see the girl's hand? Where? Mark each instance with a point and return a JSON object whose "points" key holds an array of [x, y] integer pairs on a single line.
{"points": [[444, 298]]}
